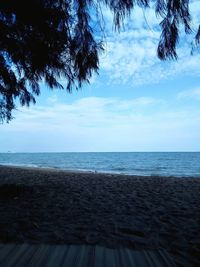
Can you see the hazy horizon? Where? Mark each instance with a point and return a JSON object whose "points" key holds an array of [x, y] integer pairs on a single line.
{"points": [[35, 152]]}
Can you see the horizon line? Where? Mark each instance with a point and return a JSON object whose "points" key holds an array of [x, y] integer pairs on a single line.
{"points": [[35, 152]]}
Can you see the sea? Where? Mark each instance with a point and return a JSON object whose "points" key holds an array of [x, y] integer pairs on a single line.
{"points": [[178, 164]]}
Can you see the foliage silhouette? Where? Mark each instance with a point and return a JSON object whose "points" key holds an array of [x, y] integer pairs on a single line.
{"points": [[46, 40]]}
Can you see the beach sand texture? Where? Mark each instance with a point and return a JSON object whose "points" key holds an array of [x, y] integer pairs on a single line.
{"points": [[52, 206]]}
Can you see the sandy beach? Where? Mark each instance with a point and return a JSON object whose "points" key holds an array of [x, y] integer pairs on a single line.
{"points": [[53, 206]]}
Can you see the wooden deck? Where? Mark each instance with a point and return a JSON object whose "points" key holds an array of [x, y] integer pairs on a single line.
{"points": [[26, 255]]}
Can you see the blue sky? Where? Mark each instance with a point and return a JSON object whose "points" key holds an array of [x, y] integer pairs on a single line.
{"points": [[136, 103]]}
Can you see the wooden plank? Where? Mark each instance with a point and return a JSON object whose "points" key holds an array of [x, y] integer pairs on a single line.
{"points": [[90, 257], [166, 258], [5, 251], [126, 260], [110, 258], [84, 256], [39, 257], [56, 255], [132, 256], [72, 256], [159, 258], [15, 255], [99, 256], [26, 255]]}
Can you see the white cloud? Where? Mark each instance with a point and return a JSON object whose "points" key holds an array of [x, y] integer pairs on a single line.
{"points": [[131, 56], [52, 99], [103, 124], [191, 94], [195, 11]]}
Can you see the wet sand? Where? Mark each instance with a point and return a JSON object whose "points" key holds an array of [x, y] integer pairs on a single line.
{"points": [[53, 206]]}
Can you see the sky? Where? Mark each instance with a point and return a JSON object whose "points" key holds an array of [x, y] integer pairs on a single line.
{"points": [[136, 103]]}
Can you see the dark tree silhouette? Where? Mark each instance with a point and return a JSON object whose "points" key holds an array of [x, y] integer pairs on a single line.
{"points": [[44, 40]]}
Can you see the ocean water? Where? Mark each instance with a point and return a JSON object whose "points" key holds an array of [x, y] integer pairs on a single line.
{"points": [[137, 163]]}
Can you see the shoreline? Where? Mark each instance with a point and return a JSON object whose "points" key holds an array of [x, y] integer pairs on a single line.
{"points": [[77, 171], [39, 205]]}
